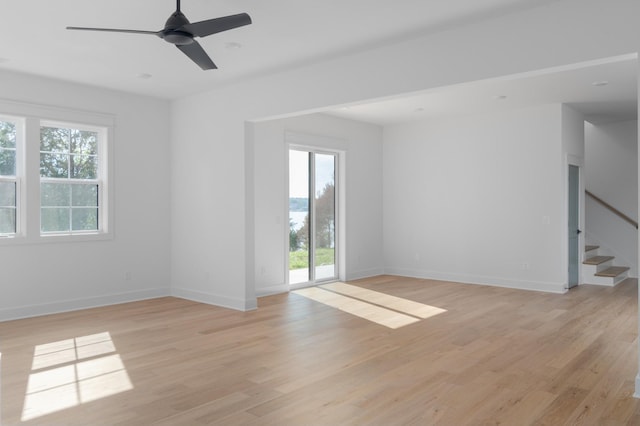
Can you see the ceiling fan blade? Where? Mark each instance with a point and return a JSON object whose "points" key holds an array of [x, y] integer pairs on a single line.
{"points": [[114, 30], [217, 25], [197, 54]]}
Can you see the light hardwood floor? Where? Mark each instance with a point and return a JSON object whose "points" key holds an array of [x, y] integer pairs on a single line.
{"points": [[478, 356]]}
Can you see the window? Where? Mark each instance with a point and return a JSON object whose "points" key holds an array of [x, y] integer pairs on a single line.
{"points": [[69, 185], [8, 181], [54, 174]]}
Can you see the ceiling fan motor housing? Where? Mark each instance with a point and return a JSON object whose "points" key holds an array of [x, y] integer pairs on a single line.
{"points": [[171, 32]]}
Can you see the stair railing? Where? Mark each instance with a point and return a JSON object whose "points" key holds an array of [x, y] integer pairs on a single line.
{"points": [[612, 209]]}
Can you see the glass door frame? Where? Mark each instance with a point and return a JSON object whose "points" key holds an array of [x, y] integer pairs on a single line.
{"points": [[312, 225]]}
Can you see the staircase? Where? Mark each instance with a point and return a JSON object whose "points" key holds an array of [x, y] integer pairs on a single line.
{"points": [[599, 270]]}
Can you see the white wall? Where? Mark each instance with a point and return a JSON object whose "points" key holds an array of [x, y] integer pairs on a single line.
{"points": [[612, 164], [612, 174], [210, 224], [212, 251], [476, 199], [573, 143], [50, 277], [361, 144]]}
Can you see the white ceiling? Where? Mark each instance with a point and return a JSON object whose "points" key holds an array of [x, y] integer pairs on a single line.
{"points": [[284, 34], [604, 91]]}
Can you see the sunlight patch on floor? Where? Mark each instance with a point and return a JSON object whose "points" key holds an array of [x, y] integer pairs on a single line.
{"points": [[72, 372], [400, 304], [389, 311]]}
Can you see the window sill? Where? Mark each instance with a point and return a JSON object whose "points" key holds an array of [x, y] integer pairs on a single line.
{"points": [[54, 238]]}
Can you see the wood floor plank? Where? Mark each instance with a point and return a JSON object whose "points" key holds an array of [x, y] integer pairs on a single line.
{"points": [[490, 356]]}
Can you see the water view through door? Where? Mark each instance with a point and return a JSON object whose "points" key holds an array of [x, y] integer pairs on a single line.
{"points": [[312, 216]]}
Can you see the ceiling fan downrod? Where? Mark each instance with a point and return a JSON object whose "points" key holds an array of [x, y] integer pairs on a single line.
{"points": [[172, 33]]}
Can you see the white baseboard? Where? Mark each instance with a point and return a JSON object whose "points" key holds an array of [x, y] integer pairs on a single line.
{"points": [[283, 288], [480, 280], [215, 299], [357, 275], [268, 291], [460, 278], [29, 311]]}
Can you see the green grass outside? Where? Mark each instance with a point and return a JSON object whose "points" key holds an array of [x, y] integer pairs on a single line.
{"points": [[300, 259]]}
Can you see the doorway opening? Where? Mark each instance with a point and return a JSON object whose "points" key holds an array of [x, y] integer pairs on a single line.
{"points": [[313, 224]]}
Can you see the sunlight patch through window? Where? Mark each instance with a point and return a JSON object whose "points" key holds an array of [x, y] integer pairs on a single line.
{"points": [[407, 306], [72, 372], [389, 311]]}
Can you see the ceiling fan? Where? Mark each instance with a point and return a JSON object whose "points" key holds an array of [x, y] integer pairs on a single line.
{"points": [[179, 31]]}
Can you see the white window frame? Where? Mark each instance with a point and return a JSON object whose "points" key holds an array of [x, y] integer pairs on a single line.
{"points": [[19, 124], [31, 118], [15, 181], [99, 181]]}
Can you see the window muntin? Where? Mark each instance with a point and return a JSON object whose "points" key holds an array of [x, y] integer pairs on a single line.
{"points": [[68, 153], [8, 180], [70, 179], [68, 207], [8, 207]]}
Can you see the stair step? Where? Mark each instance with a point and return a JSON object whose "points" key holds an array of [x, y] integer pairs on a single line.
{"points": [[596, 260], [589, 248], [614, 271]]}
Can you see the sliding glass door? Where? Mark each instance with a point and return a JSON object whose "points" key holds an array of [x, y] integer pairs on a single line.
{"points": [[299, 206], [312, 216]]}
